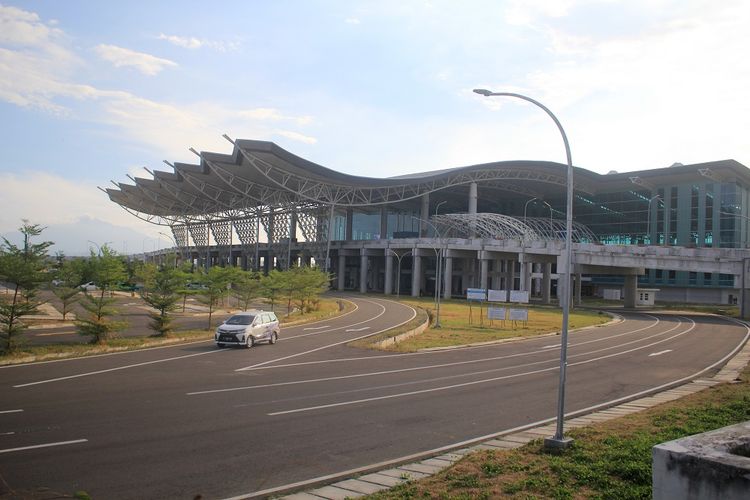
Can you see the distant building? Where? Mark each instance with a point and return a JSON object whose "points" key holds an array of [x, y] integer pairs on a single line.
{"points": [[682, 229]]}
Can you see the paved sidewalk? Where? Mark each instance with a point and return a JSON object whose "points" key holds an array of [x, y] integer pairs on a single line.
{"points": [[388, 478]]}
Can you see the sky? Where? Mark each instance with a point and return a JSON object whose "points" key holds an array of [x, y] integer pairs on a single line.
{"points": [[91, 92]]}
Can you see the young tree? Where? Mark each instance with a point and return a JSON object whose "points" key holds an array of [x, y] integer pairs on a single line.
{"points": [[245, 288], [67, 278], [216, 281], [108, 271], [163, 297], [310, 282], [272, 285], [23, 270]]}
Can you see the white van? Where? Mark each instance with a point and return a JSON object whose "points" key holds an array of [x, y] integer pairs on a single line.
{"points": [[248, 328]]}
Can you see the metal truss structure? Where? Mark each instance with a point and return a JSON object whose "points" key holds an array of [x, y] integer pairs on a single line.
{"points": [[261, 183], [503, 227]]}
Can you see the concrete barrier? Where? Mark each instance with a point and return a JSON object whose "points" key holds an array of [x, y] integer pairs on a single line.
{"points": [[712, 465]]}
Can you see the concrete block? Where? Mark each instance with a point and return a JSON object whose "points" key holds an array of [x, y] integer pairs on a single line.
{"points": [[712, 465]]}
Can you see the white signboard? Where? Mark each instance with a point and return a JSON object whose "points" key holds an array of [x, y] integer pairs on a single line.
{"points": [[476, 293], [496, 313], [519, 315], [497, 295], [519, 296]]}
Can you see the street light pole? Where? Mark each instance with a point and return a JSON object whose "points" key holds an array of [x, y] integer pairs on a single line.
{"points": [[398, 271], [558, 441], [438, 251]]}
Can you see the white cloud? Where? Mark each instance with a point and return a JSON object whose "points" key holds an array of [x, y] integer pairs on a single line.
{"points": [[145, 63], [273, 114], [191, 42], [296, 136]]}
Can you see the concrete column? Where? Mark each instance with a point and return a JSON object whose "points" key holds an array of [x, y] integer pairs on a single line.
{"points": [[578, 286], [388, 286], [546, 282], [448, 277], [473, 198], [349, 224], [383, 223], [509, 265], [483, 267], [631, 289], [416, 275], [341, 272], [363, 272], [424, 214]]}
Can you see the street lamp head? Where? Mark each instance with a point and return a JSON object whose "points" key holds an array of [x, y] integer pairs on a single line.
{"points": [[483, 92]]}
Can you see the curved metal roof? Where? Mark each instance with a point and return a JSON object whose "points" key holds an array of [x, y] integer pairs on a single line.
{"points": [[259, 176]]}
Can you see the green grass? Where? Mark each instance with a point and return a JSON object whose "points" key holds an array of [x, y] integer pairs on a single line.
{"points": [[458, 329], [610, 460], [30, 353]]}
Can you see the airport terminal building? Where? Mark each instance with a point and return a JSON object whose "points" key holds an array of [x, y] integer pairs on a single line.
{"points": [[682, 230]]}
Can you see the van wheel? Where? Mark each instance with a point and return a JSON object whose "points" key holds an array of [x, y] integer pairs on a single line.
{"points": [[250, 342], [274, 338]]}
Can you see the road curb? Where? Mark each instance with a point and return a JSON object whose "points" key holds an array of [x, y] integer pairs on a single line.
{"points": [[377, 477]]}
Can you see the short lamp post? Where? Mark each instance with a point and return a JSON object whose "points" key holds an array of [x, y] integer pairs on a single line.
{"points": [[558, 441], [439, 264]]}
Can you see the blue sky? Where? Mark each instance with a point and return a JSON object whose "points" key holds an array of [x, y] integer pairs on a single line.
{"points": [[92, 91]]}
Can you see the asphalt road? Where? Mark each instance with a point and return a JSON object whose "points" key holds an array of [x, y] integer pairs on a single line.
{"points": [[179, 421]]}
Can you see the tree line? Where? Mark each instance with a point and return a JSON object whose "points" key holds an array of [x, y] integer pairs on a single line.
{"points": [[26, 269]]}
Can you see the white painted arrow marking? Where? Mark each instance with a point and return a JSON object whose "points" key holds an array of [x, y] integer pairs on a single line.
{"points": [[660, 353], [358, 329], [316, 327]]}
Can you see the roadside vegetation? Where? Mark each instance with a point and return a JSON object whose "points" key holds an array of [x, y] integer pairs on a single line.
{"points": [[460, 324], [607, 460], [84, 289]]}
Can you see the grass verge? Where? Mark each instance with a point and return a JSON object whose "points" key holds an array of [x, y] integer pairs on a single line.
{"points": [[457, 329], [607, 460], [30, 353]]}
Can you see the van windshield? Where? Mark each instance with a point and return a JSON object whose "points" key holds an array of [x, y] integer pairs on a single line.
{"points": [[244, 319]]}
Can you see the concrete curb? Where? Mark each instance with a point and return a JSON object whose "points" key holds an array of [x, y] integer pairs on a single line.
{"points": [[379, 480]]}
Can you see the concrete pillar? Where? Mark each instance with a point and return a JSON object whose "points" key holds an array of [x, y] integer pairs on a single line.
{"points": [[578, 285], [349, 224], [383, 223], [341, 272], [546, 282], [631, 289], [483, 267], [416, 274], [509, 265], [473, 198], [363, 272], [448, 277], [424, 214], [388, 287]]}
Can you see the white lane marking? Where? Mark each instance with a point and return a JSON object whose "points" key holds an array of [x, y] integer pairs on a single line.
{"points": [[413, 315], [55, 333], [125, 367], [45, 445], [448, 351], [171, 346], [461, 444], [10, 411], [483, 381], [7, 433], [660, 352], [551, 346], [358, 329], [316, 327]]}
